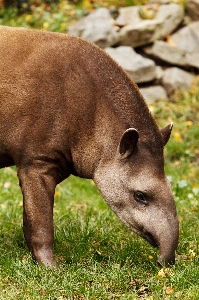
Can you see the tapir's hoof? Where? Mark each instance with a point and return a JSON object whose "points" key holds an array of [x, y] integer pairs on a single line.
{"points": [[52, 265], [46, 261]]}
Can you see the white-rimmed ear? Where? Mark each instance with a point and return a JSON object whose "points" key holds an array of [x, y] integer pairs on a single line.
{"points": [[128, 142], [166, 132]]}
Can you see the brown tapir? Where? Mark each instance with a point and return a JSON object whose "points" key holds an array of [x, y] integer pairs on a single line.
{"points": [[67, 108]]}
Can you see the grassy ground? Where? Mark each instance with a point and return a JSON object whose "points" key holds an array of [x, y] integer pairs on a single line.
{"points": [[99, 257]]}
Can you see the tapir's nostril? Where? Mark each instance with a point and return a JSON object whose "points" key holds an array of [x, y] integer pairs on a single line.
{"points": [[166, 263]]}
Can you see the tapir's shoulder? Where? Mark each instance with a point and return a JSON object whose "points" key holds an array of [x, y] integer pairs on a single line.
{"points": [[23, 40], [30, 35]]}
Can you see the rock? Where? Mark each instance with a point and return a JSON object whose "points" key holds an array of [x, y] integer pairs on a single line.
{"points": [[167, 53], [153, 93], [187, 39], [170, 16], [140, 69], [192, 9], [138, 33], [152, 26], [97, 27], [128, 15], [175, 79], [159, 74], [193, 59]]}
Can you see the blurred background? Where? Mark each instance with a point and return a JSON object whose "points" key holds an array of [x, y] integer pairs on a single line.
{"points": [[53, 15]]}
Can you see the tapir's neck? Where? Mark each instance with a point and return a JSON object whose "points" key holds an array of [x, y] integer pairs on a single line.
{"points": [[118, 106], [111, 118]]}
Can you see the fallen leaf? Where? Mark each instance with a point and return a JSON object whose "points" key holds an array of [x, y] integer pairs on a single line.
{"points": [[189, 123], [169, 290], [46, 25], [24, 259], [195, 186], [161, 273], [178, 294], [42, 291], [117, 266], [7, 185], [96, 243], [28, 18], [177, 137], [57, 194], [169, 271], [61, 258], [192, 254]]}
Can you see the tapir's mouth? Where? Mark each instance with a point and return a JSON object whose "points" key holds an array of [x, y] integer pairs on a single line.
{"points": [[151, 239], [148, 237]]}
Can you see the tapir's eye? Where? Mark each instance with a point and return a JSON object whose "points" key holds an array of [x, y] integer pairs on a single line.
{"points": [[139, 197]]}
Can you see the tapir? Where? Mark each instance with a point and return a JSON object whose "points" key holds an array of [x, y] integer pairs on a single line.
{"points": [[66, 107]]}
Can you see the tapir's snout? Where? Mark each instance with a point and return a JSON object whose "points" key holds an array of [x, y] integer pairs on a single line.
{"points": [[162, 232], [167, 252], [168, 242]]}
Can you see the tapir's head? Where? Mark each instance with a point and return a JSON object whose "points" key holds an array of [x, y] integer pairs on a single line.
{"points": [[134, 185]]}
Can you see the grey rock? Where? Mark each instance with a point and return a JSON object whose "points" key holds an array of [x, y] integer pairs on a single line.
{"points": [[97, 27], [192, 9], [159, 74], [138, 33], [171, 16], [140, 69], [168, 53], [187, 39], [175, 79], [128, 15], [193, 59], [153, 93], [140, 26]]}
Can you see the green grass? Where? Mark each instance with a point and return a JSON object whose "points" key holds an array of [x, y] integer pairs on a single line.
{"points": [[99, 257]]}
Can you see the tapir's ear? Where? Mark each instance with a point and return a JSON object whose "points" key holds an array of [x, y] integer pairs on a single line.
{"points": [[128, 142], [166, 132]]}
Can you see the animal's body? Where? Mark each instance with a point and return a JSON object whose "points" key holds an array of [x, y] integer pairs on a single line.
{"points": [[67, 108]]}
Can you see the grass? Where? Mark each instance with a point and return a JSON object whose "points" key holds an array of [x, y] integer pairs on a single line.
{"points": [[99, 257]]}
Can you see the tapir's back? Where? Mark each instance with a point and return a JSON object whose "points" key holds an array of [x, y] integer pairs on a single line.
{"points": [[58, 91], [35, 65], [44, 92]]}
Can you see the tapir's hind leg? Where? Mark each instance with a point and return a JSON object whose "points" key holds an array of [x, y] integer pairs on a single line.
{"points": [[38, 185]]}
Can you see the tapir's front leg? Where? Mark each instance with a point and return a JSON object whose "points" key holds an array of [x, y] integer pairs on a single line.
{"points": [[38, 185]]}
